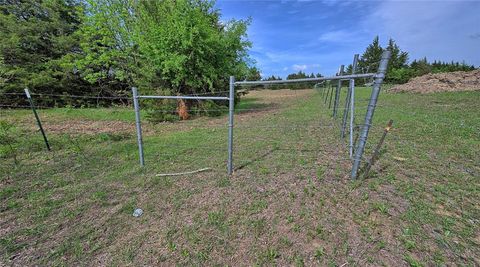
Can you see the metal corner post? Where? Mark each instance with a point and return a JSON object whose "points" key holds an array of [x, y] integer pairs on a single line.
{"points": [[382, 69], [231, 103], [136, 106], [337, 93], [30, 100]]}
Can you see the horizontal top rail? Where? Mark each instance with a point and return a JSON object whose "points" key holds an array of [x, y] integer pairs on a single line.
{"points": [[185, 97], [343, 77]]}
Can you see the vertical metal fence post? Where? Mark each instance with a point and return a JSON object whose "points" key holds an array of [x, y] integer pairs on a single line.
{"points": [[352, 105], [370, 110], [347, 98], [331, 89], [331, 96], [30, 100], [325, 88], [327, 93], [337, 93], [136, 106], [231, 102]]}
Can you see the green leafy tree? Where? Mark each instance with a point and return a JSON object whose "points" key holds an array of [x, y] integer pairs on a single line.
{"points": [[300, 75], [253, 74], [107, 56], [5, 74], [421, 67], [173, 47], [401, 75], [439, 66], [189, 48], [180, 45]]}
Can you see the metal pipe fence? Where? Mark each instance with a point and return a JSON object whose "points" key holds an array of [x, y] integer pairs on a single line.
{"points": [[231, 104], [349, 101], [230, 98], [337, 92], [356, 149], [355, 146], [138, 124], [318, 79]]}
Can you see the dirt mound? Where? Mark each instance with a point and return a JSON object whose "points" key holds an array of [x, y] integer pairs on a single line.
{"points": [[442, 82]]}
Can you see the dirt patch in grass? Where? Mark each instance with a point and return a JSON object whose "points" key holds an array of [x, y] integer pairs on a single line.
{"points": [[89, 127], [266, 102], [278, 96], [271, 101], [442, 82]]}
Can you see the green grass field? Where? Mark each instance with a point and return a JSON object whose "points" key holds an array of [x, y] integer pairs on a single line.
{"points": [[289, 202]]}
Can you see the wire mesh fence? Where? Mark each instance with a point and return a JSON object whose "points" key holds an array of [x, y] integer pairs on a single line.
{"points": [[302, 131], [283, 135], [291, 136]]}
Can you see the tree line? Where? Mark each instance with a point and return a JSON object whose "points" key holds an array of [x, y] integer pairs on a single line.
{"points": [[292, 76], [399, 70], [103, 47]]}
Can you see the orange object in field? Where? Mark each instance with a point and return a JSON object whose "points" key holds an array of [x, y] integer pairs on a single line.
{"points": [[182, 110]]}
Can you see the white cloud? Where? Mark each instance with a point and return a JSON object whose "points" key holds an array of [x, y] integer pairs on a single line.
{"points": [[344, 37], [436, 29], [297, 67], [335, 36]]}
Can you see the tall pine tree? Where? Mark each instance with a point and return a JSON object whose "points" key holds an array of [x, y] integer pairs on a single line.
{"points": [[370, 59], [35, 36]]}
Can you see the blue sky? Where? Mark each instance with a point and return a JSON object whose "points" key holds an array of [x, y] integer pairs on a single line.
{"points": [[318, 36]]}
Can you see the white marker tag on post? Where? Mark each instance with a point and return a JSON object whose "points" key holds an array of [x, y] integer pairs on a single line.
{"points": [[27, 93]]}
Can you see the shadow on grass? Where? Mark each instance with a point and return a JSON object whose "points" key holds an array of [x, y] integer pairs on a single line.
{"points": [[258, 158], [268, 153]]}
